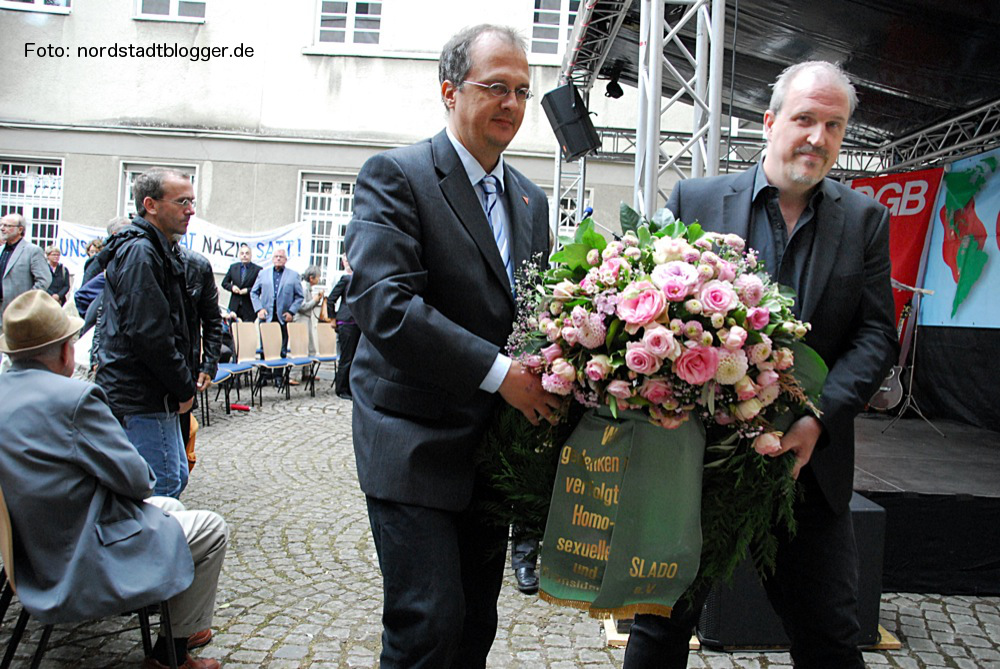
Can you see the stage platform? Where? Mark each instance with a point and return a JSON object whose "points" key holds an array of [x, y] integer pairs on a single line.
{"points": [[942, 502]]}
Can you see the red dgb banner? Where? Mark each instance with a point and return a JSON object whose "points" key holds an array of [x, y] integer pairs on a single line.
{"points": [[910, 197]]}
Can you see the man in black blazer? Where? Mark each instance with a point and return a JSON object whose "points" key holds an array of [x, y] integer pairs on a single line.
{"points": [[239, 280], [831, 244], [432, 292]]}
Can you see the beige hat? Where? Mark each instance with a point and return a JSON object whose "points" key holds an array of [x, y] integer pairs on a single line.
{"points": [[33, 320]]}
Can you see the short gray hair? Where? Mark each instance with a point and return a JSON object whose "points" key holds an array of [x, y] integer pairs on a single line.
{"points": [[456, 60], [48, 353], [116, 224], [829, 71], [150, 184], [15, 218], [311, 271]]}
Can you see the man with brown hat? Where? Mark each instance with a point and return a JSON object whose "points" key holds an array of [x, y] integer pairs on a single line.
{"points": [[108, 546]]}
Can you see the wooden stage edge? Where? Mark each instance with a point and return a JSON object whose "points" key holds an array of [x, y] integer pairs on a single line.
{"points": [[616, 639]]}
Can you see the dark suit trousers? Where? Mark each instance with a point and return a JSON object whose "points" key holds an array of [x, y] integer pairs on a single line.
{"points": [[441, 573], [348, 336], [814, 590]]}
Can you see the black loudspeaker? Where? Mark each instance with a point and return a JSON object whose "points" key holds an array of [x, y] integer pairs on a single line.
{"points": [[570, 120], [741, 616]]}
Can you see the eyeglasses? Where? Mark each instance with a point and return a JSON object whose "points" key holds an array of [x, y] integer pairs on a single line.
{"points": [[499, 90], [183, 202]]}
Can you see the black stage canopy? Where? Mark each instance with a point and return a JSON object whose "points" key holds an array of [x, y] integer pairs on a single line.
{"points": [[914, 62]]}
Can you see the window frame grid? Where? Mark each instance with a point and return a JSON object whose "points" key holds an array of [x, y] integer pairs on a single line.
{"points": [[173, 13], [351, 27], [40, 6], [125, 180], [42, 212], [327, 225]]}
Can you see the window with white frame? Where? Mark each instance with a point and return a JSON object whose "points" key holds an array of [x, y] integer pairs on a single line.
{"points": [[49, 6], [552, 25], [327, 202], [349, 22], [171, 10], [126, 204], [34, 189]]}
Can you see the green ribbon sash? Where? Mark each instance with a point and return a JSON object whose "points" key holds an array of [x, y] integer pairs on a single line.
{"points": [[623, 534]]}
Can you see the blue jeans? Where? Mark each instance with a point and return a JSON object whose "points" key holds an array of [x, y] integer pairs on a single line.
{"points": [[157, 437]]}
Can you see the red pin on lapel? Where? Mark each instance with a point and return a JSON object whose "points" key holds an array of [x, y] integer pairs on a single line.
{"points": [[525, 199]]}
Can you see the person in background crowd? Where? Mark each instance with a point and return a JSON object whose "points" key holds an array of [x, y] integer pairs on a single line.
{"points": [[61, 280], [308, 312], [277, 294], [92, 540], [145, 339], [831, 245], [239, 279], [437, 229], [22, 264], [94, 247], [92, 285], [348, 333]]}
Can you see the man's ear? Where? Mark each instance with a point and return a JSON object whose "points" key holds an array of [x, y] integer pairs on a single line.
{"points": [[768, 124], [448, 90]]}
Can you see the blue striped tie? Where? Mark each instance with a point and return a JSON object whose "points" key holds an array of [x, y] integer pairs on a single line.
{"points": [[490, 186]]}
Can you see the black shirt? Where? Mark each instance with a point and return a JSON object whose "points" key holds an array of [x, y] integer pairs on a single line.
{"points": [[8, 249], [785, 257]]}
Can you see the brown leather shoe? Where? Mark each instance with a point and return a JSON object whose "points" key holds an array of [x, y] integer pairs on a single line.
{"points": [[199, 639], [189, 663]]}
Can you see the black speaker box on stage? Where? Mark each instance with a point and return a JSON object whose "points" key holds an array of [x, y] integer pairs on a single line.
{"points": [[741, 616], [570, 120]]}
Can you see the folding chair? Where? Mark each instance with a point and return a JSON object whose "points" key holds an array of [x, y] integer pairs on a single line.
{"points": [[7, 552], [270, 339], [298, 352], [326, 347], [245, 342]]}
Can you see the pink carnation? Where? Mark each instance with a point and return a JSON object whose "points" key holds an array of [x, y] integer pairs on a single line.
{"points": [[750, 289], [640, 360], [697, 365], [783, 358], [717, 297], [556, 384]]}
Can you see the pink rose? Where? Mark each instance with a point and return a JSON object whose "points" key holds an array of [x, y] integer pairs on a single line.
{"points": [[675, 289], [723, 417], [758, 317], [531, 361], [656, 391], [768, 443], [598, 368], [611, 269], [658, 340], [564, 290], [745, 388], [717, 297], [570, 335], [727, 272], [747, 410], [620, 389], [556, 384], [641, 302], [551, 352], [767, 378], [560, 367], [736, 338], [640, 360], [697, 365], [674, 268], [783, 358]]}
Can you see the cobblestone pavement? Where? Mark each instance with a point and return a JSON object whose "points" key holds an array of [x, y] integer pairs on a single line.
{"points": [[301, 586]]}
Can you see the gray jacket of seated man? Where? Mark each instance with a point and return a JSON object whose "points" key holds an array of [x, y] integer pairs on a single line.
{"points": [[85, 543]]}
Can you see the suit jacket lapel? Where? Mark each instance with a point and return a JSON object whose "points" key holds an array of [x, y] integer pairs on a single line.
{"points": [[461, 197], [736, 205], [14, 255], [826, 246], [519, 220]]}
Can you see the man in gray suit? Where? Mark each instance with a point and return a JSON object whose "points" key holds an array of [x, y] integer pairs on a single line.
{"points": [[89, 541], [438, 228], [831, 245], [22, 264], [277, 294]]}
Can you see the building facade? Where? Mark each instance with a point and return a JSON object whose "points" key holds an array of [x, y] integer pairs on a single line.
{"points": [[271, 108]]}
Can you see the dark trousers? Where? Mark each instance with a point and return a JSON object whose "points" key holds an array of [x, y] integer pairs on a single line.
{"points": [[523, 552], [814, 590], [441, 575], [279, 319], [348, 336]]}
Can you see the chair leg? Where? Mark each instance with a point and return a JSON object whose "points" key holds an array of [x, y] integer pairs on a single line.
{"points": [[147, 637], [15, 639], [42, 643], [5, 596], [169, 633]]}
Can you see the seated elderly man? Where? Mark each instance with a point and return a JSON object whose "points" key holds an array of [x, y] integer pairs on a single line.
{"points": [[67, 467]]}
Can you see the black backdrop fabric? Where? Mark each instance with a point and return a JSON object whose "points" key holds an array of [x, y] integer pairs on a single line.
{"points": [[957, 374]]}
